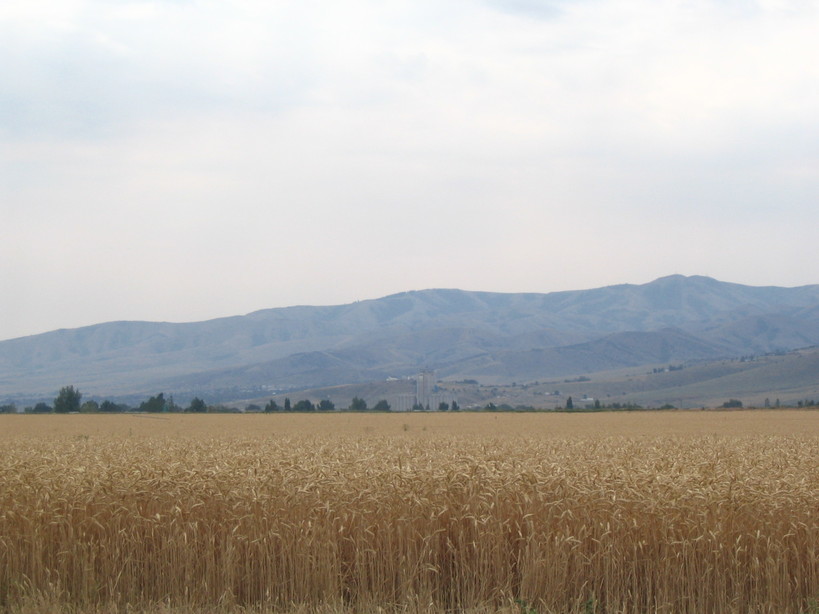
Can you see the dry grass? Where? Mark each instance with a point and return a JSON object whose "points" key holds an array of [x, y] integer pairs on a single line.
{"points": [[414, 520]]}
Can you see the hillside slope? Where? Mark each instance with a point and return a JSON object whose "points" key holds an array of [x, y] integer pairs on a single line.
{"points": [[459, 333]]}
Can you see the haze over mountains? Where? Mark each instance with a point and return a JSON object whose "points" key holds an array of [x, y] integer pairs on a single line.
{"points": [[486, 336]]}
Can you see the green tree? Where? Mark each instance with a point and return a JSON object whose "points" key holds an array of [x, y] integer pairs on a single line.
{"points": [[455, 406], [90, 407], [304, 405], [197, 406], [286, 403], [443, 406], [11, 408], [154, 404], [271, 407], [67, 400], [109, 406], [42, 408], [382, 405], [358, 404], [326, 405], [569, 403]]}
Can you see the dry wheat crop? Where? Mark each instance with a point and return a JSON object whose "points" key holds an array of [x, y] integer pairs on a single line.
{"points": [[360, 522]]}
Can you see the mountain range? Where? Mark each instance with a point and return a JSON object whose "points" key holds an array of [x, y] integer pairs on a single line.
{"points": [[486, 336]]}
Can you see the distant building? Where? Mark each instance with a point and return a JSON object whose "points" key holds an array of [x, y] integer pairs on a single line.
{"points": [[424, 387], [404, 402], [426, 394]]}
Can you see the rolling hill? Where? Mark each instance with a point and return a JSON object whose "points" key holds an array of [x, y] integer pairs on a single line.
{"points": [[487, 336]]}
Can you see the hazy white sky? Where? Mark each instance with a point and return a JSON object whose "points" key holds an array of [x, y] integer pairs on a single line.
{"points": [[187, 159]]}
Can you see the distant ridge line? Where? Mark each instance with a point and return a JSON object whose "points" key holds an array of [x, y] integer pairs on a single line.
{"points": [[459, 333]]}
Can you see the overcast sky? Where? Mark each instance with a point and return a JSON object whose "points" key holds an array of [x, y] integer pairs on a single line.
{"points": [[186, 159]]}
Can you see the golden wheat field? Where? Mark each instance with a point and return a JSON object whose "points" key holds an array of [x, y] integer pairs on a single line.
{"points": [[690, 512]]}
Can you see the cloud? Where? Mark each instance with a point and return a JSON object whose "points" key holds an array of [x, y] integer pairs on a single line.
{"points": [[232, 156], [104, 66], [539, 9]]}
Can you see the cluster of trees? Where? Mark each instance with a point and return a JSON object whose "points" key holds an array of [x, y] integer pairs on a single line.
{"points": [[305, 405], [69, 400], [570, 406], [442, 406], [805, 403], [506, 407], [299, 406], [597, 405], [159, 403]]}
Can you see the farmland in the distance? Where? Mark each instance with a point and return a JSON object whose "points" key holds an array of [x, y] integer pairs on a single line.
{"points": [[630, 512]]}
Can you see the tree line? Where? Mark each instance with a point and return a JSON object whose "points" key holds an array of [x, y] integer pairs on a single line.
{"points": [[69, 400], [305, 405]]}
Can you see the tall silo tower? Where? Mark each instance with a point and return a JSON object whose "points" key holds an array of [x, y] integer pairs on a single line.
{"points": [[424, 386]]}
